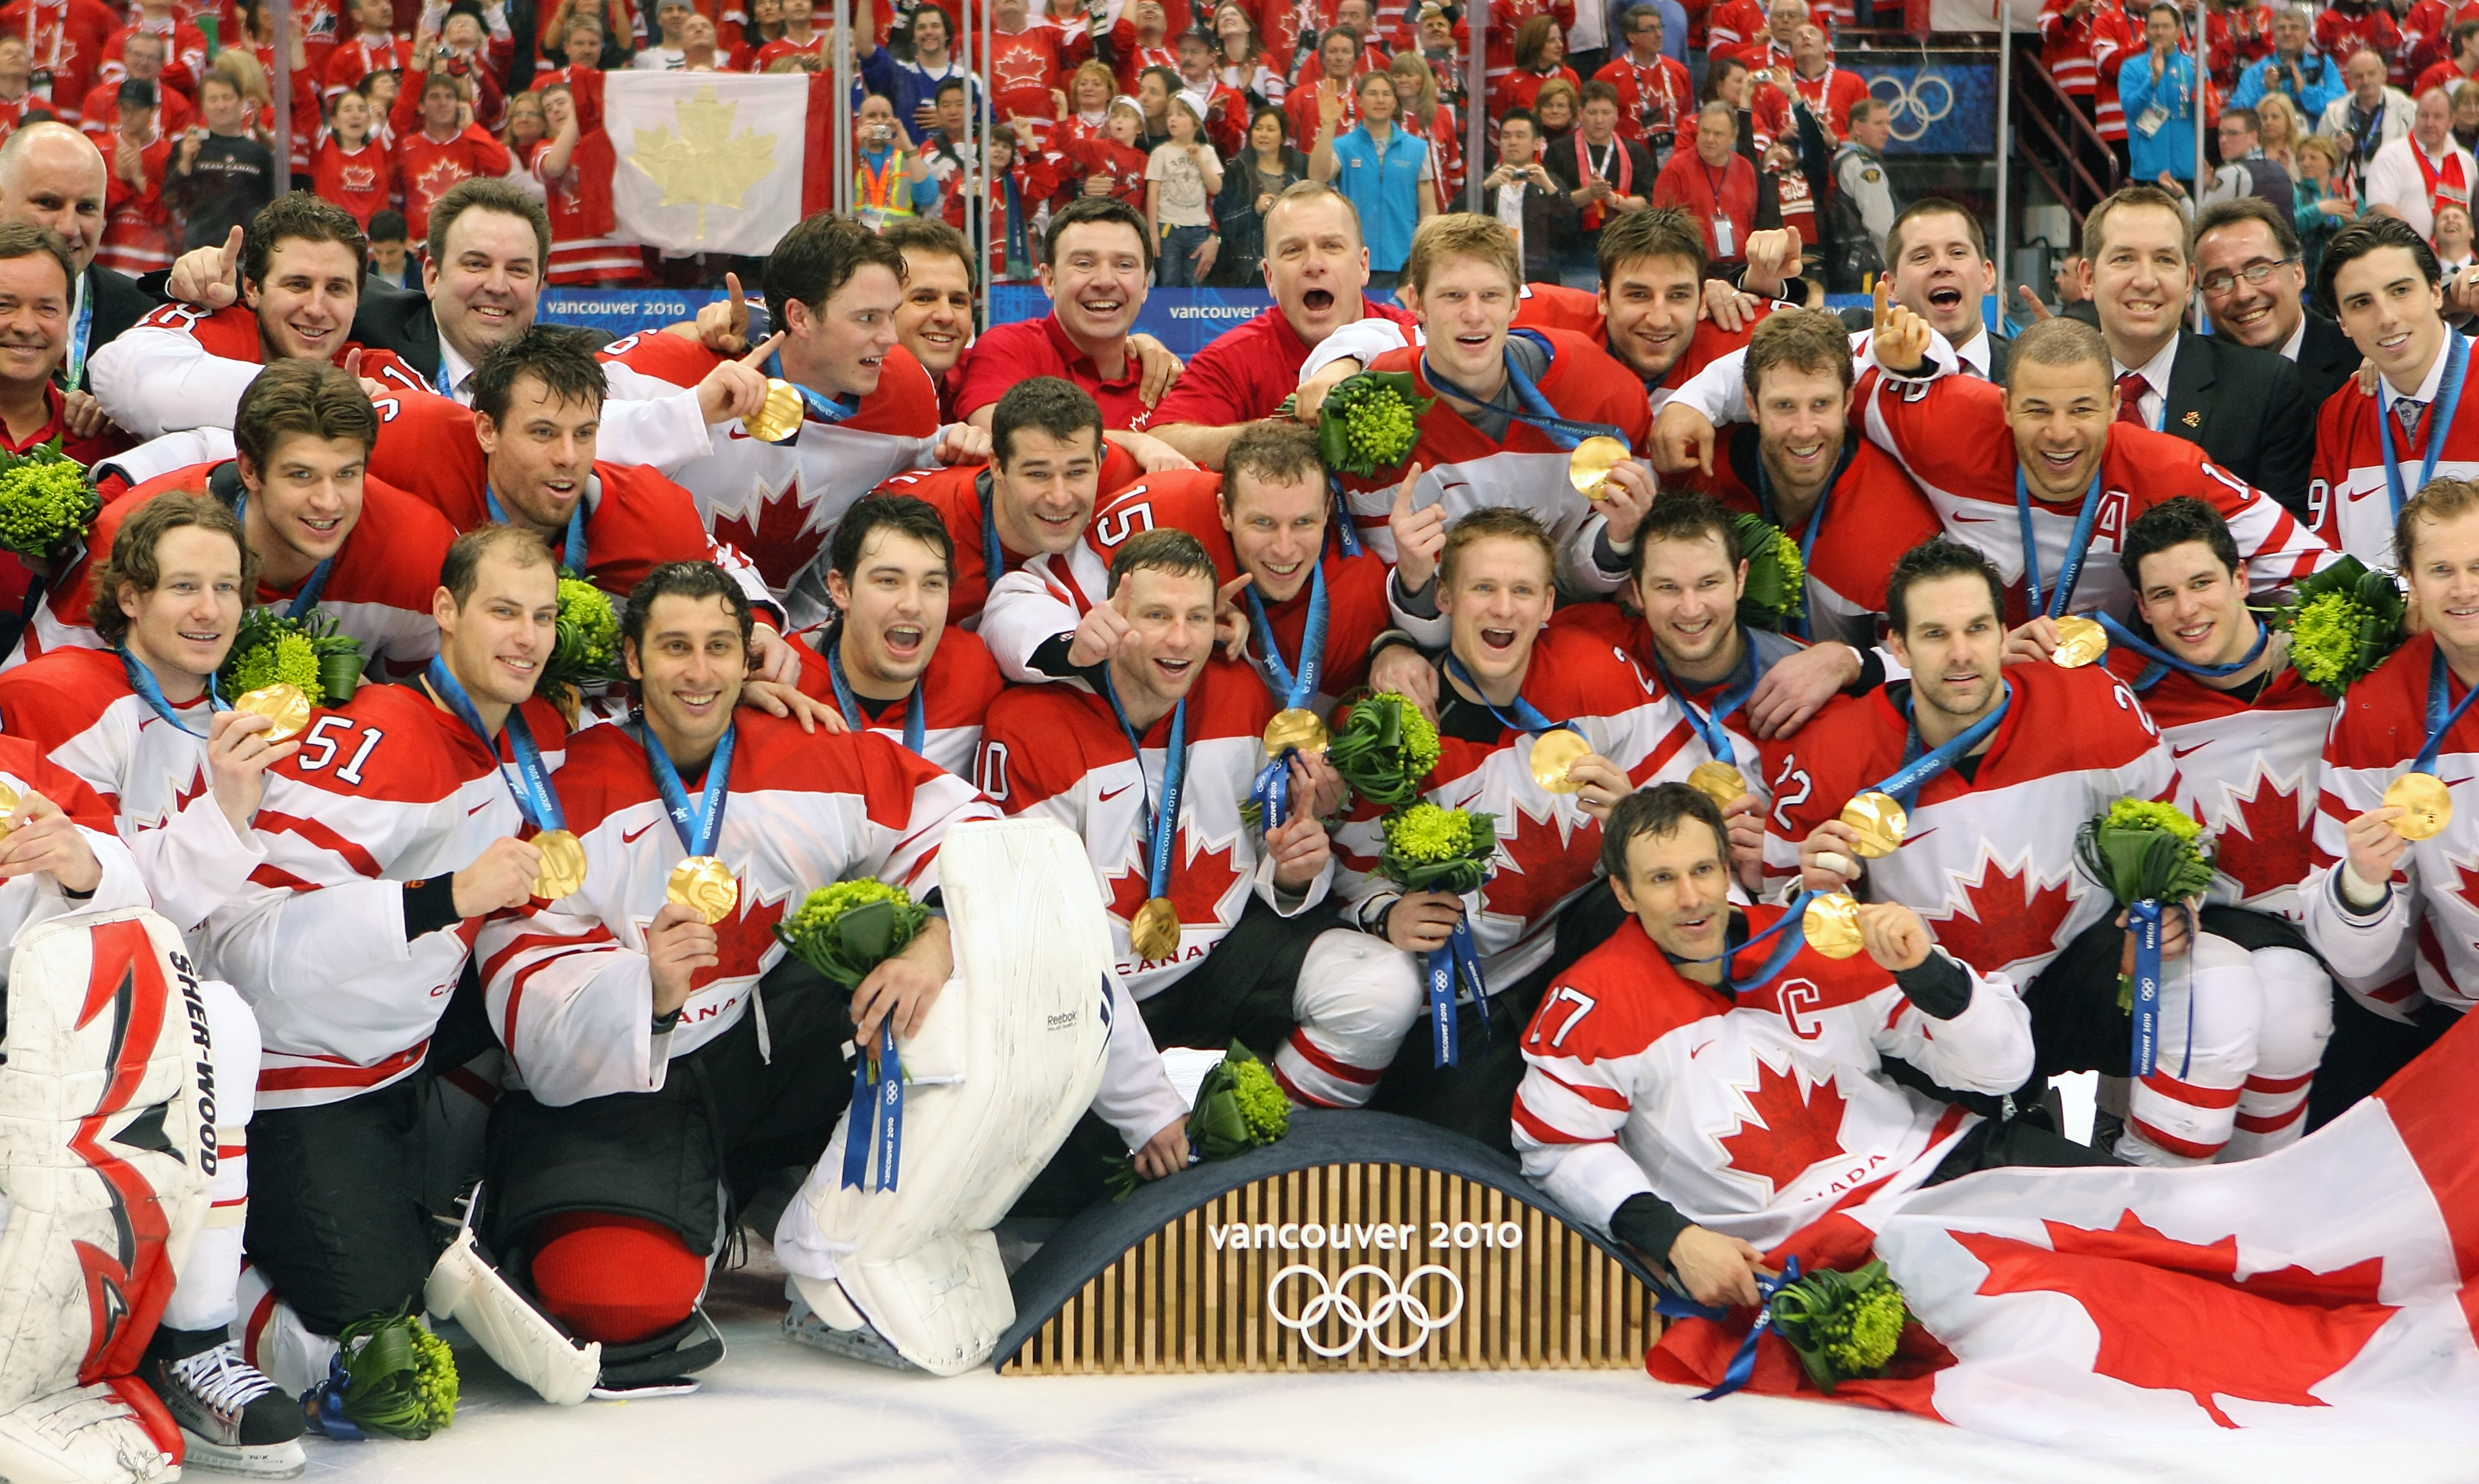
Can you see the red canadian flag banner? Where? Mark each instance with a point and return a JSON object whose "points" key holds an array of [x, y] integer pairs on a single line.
{"points": [[717, 162], [2324, 1291]]}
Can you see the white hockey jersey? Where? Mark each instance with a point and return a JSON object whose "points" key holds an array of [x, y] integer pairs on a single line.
{"points": [[27, 899], [2349, 499]]}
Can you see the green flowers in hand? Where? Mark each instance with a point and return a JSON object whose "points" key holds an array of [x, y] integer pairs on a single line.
{"points": [[47, 503], [1843, 1326], [2342, 622], [1370, 423], [849, 927], [1385, 749]]}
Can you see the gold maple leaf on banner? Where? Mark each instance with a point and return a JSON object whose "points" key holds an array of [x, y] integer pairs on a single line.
{"points": [[704, 166]]}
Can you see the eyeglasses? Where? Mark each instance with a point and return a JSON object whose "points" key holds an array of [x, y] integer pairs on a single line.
{"points": [[2254, 273]]}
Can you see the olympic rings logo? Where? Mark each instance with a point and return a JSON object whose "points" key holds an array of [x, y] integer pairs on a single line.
{"points": [[1332, 1300], [1908, 109]]}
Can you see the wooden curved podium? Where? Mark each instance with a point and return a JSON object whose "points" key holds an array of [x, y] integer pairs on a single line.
{"points": [[1362, 1242]]}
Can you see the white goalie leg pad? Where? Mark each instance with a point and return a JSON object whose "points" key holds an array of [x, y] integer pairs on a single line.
{"points": [[1006, 1060], [273, 1339], [205, 1296], [106, 1129], [511, 1331], [2183, 1111], [86, 1435], [2297, 1022], [1356, 1000]]}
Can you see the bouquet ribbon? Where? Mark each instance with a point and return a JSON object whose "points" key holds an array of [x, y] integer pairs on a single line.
{"points": [[1346, 531], [696, 825], [311, 586], [2448, 400], [877, 1115], [1771, 510], [1743, 1364], [2439, 720], [2163, 661], [916, 713], [1530, 406], [572, 547], [1920, 765], [2144, 917], [1708, 724], [537, 799], [1163, 827], [149, 690], [1459, 959], [2075, 549]]}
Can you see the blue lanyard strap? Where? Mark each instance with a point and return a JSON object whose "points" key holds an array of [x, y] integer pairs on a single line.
{"points": [[916, 714], [1741, 684], [1292, 688], [2440, 720], [2440, 422], [573, 554], [2075, 549], [308, 598], [2163, 661], [447, 386], [993, 555], [1527, 717], [73, 369], [149, 690], [1919, 766], [536, 799], [817, 404], [1163, 827], [1790, 929], [1530, 406], [697, 826]]}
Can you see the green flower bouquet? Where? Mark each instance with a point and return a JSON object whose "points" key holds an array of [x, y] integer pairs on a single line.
{"points": [[306, 652], [47, 504], [1776, 576], [1385, 749], [1844, 1327], [396, 1378], [845, 930], [1370, 423], [2144, 852], [585, 652], [2342, 622], [1432, 847], [1239, 1107]]}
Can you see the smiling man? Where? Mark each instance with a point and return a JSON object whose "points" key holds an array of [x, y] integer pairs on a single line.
{"points": [[53, 176], [38, 288], [2248, 269], [1098, 262], [936, 320], [2413, 176]]}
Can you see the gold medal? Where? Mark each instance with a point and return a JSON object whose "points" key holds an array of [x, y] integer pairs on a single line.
{"points": [[1718, 782], [1296, 728], [1880, 821], [1588, 467], [1831, 924], [563, 864], [704, 885], [1155, 933], [2079, 642], [284, 703], [780, 418], [1553, 753], [8, 802], [2428, 802]]}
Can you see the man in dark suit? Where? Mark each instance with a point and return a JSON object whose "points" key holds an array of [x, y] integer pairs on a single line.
{"points": [[2254, 285], [2249, 409], [53, 176]]}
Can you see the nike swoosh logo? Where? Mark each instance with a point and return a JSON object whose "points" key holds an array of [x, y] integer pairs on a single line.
{"points": [[1917, 835], [630, 838], [2176, 752], [1700, 1049], [1109, 794], [478, 809]]}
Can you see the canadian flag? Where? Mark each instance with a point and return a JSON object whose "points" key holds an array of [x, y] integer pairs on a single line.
{"points": [[2324, 1291], [717, 162]]}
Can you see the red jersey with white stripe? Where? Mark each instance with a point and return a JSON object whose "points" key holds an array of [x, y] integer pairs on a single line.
{"points": [[1872, 516], [958, 492], [2429, 923], [378, 592], [390, 789], [179, 332], [1629, 634], [1057, 751], [2077, 49], [1950, 436], [358, 56], [2349, 498], [571, 994], [2342, 29], [1655, 99], [777, 504], [2249, 772], [957, 691], [1735, 23], [1989, 858], [1757, 1113], [77, 706], [66, 39]]}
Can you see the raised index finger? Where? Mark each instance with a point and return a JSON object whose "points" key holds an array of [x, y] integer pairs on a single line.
{"points": [[232, 249], [1884, 303], [759, 354], [1231, 588], [739, 301]]}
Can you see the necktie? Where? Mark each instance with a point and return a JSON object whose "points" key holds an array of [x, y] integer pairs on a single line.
{"points": [[2131, 388], [2411, 412]]}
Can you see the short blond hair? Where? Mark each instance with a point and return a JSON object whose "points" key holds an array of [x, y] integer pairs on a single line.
{"points": [[1462, 235], [2439, 501], [1502, 522]]}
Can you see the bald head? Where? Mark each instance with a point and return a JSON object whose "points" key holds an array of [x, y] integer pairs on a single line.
{"points": [[53, 176]]}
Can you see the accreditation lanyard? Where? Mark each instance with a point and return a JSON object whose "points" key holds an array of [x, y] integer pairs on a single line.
{"points": [[916, 715], [1740, 684], [2439, 720], [2072, 569], [1293, 688], [536, 799], [1921, 764], [2448, 401], [308, 598], [2163, 661], [142, 680], [700, 825], [1163, 827], [573, 551], [1530, 406]]}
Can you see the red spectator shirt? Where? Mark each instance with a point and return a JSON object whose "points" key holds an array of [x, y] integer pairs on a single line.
{"points": [[360, 55], [69, 38], [185, 46], [1656, 99], [430, 169], [1688, 181], [1012, 353], [362, 181]]}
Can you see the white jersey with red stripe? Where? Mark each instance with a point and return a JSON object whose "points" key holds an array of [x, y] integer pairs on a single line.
{"points": [[2429, 922], [2249, 772], [570, 988], [36, 896], [1753, 1114], [1057, 751], [2349, 498], [1989, 858], [77, 706], [1046, 597], [389, 790], [1950, 435]]}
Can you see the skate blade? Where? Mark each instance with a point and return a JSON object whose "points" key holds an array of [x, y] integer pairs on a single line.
{"points": [[685, 1386], [861, 1344], [264, 1461]]}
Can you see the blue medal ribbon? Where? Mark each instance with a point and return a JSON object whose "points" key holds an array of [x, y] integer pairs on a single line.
{"points": [[1460, 958], [815, 405], [1162, 828], [1530, 406], [1743, 1363], [2075, 549], [537, 799], [993, 555], [2448, 400], [572, 556], [1709, 725], [2163, 661], [1771, 510], [916, 715], [1919, 765], [1792, 931], [1271, 792], [699, 826], [151, 691], [2440, 720], [1527, 718], [316, 582]]}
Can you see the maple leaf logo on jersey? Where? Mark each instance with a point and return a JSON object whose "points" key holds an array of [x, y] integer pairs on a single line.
{"points": [[742, 939], [359, 177], [2003, 918], [783, 540], [182, 798], [1198, 888], [1540, 860], [438, 180], [1794, 1127], [1020, 68], [2268, 847], [2140, 1288]]}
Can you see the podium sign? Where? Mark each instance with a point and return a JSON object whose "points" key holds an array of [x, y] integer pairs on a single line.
{"points": [[1352, 1266]]}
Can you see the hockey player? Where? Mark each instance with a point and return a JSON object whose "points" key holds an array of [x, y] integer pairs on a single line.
{"points": [[2247, 734], [184, 366], [181, 775], [889, 663], [1255, 949], [1672, 1071], [297, 482], [867, 408], [2372, 453], [387, 839]]}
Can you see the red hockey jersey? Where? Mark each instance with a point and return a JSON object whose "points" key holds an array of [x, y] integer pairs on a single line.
{"points": [[958, 494], [957, 691]]}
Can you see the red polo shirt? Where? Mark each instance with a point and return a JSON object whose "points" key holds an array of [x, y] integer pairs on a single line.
{"points": [[1248, 370], [1009, 353], [1687, 182]]}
